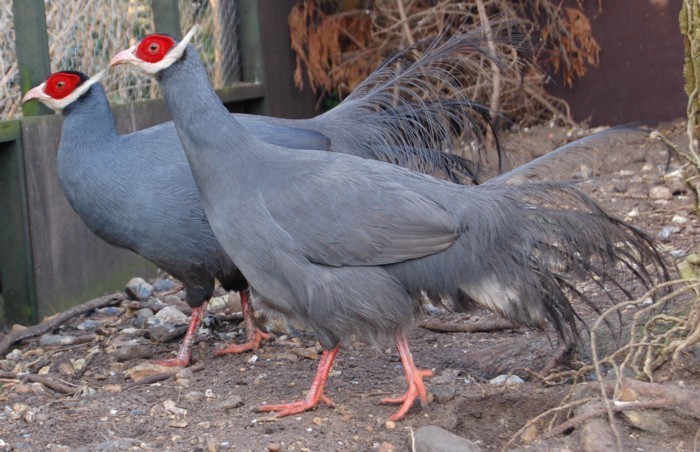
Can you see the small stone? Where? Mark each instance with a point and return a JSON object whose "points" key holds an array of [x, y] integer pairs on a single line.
{"points": [[166, 332], [89, 325], [233, 302], [194, 396], [443, 393], [678, 219], [620, 186], [162, 285], [174, 300], [204, 425], [432, 438], [110, 311], [132, 349], [209, 394], [169, 314], [446, 377], [184, 373], [14, 355], [660, 192], [274, 447], [595, 434], [112, 388], [229, 403], [66, 369], [177, 411], [213, 444], [179, 423], [506, 380], [390, 425], [138, 289], [386, 447], [677, 186], [143, 370], [56, 339], [308, 353], [78, 364], [142, 316], [584, 172], [667, 231], [119, 444], [217, 304], [646, 420]]}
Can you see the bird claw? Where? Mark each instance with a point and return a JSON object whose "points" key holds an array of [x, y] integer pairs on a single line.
{"points": [[253, 344], [286, 409], [416, 389]]}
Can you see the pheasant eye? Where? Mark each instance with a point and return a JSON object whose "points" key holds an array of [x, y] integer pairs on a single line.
{"points": [[61, 84], [154, 47]]}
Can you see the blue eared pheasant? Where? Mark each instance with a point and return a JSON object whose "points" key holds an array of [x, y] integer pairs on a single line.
{"points": [[348, 245], [136, 191]]}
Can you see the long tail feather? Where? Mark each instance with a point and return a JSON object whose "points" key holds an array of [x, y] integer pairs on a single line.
{"points": [[415, 100]]}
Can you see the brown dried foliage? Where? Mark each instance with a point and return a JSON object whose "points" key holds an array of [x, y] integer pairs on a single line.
{"points": [[338, 44]]}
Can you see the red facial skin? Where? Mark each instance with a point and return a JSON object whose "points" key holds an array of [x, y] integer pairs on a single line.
{"points": [[153, 48], [61, 84]]}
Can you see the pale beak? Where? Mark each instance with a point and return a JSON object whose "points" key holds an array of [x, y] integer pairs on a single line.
{"points": [[124, 57], [36, 93]]}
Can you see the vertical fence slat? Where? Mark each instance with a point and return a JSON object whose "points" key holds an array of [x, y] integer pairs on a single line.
{"points": [[32, 48], [250, 42], [16, 264], [166, 17]]}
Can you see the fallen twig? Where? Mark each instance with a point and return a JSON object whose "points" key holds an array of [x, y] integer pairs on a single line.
{"points": [[600, 410], [57, 320], [44, 380], [482, 327]]}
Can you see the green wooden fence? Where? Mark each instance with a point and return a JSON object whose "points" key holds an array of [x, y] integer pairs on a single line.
{"points": [[25, 296]]}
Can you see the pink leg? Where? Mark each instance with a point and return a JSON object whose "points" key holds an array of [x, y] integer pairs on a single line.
{"points": [[315, 394], [253, 333], [414, 378], [185, 353]]}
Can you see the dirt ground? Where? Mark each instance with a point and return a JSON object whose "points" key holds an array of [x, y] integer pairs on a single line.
{"points": [[212, 407]]}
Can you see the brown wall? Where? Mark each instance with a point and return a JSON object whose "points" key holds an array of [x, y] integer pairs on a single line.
{"points": [[640, 76]]}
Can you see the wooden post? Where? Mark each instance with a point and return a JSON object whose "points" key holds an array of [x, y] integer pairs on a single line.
{"points": [[250, 42], [18, 302], [32, 47], [166, 17]]}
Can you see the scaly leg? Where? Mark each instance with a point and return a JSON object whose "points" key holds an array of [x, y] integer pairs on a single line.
{"points": [[414, 378], [185, 353], [315, 394], [253, 333]]}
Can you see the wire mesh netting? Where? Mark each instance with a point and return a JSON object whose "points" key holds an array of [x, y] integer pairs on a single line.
{"points": [[85, 34]]}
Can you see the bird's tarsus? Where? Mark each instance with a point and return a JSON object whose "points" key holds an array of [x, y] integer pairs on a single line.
{"points": [[414, 378], [315, 394], [183, 356]]}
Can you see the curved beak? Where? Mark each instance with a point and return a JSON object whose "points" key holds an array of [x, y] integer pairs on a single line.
{"points": [[124, 57], [36, 93]]}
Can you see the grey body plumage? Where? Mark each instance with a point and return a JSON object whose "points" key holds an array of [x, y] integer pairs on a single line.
{"points": [[136, 191], [347, 244]]}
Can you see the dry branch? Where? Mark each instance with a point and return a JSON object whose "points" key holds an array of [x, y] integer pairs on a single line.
{"points": [[481, 327], [59, 319]]}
